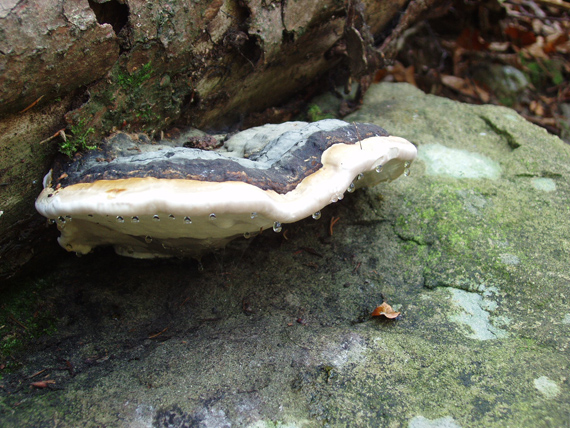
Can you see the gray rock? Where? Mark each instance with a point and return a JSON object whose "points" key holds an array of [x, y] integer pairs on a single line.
{"points": [[277, 333]]}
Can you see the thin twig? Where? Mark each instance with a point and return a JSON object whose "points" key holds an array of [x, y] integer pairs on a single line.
{"points": [[157, 334], [334, 220], [358, 135], [60, 133], [17, 322], [31, 105], [37, 373]]}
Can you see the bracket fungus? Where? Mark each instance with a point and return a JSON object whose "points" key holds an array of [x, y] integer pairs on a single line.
{"points": [[163, 200]]}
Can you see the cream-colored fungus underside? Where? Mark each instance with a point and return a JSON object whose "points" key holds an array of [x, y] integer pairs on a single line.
{"points": [[149, 217]]}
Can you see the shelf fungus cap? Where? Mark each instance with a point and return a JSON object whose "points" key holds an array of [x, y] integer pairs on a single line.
{"points": [[162, 200]]}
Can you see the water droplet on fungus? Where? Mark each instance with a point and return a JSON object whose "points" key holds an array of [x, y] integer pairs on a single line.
{"points": [[351, 188], [317, 215], [171, 217], [187, 220], [120, 219], [277, 227], [156, 217], [212, 216], [378, 168], [148, 239], [253, 215], [247, 235], [134, 219]]}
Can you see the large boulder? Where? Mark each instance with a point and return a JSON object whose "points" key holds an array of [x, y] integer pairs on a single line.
{"points": [[471, 248]]}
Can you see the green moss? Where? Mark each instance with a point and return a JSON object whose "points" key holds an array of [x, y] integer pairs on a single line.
{"points": [[543, 72], [130, 81], [507, 101], [25, 315], [79, 139], [455, 225], [147, 114], [314, 114], [426, 214]]}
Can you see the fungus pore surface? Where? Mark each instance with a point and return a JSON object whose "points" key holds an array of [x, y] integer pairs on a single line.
{"points": [[163, 199]]}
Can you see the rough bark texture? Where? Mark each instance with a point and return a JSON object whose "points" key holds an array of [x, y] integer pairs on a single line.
{"points": [[97, 66], [50, 48]]}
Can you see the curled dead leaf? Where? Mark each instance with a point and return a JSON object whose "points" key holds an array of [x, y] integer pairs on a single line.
{"points": [[43, 383], [385, 310]]}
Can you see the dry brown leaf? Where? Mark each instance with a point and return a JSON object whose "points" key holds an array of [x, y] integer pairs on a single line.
{"points": [[536, 107], [409, 75], [499, 46], [536, 50], [465, 87], [385, 310], [558, 41], [471, 39], [399, 73], [520, 36], [43, 383]]}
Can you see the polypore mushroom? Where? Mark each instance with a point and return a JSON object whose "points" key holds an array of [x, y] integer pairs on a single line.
{"points": [[162, 200]]}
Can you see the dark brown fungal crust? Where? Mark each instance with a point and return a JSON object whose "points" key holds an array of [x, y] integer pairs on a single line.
{"points": [[282, 176]]}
